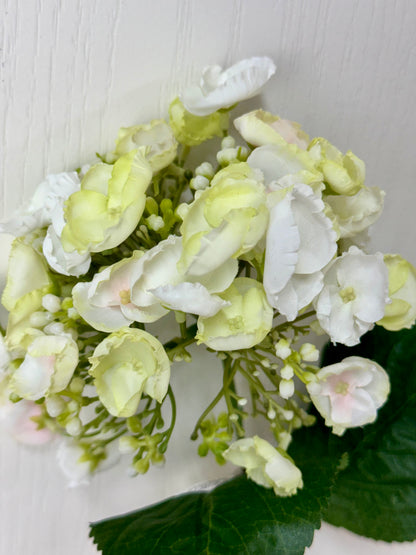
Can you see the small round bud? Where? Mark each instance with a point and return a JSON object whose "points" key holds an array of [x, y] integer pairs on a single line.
{"points": [[72, 313], [242, 402], [73, 406], [141, 466], [74, 426], [266, 362], [288, 415], [243, 153], [283, 349], [271, 414], [287, 372], [256, 373], [228, 142], [286, 388], [284, 440], [127, 445], [199, 183], [155, 222], [54, 405], [77, 385], [226, 156], [51, 303], [309, 352], [54, 328], [233, 417], [206, 170], [39, 319]]}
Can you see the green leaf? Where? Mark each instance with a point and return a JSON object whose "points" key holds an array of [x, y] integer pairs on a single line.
{"points": [[376, 495], [237, 517]]}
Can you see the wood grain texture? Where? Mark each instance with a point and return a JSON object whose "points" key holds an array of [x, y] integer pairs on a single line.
{"points": [[73, 72]]}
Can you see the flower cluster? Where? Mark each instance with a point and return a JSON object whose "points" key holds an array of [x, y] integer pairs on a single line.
{"points": [[250, 250]]}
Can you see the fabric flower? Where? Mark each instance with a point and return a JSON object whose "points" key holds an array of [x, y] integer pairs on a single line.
{"points": [[224, 221], [353, 297], [191, 130], [348, 394], [47, 368], [277, 161], [109, 205], [356, 213], [17, 420], [265, 465], [50, 194], [127, 364], [222, 89], [300, 242], [156, 136], [344, 174], [260, 128], [401, 313], [243, 323], [146, 286]]}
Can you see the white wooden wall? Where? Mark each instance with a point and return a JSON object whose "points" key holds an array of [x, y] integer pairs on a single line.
{"points": [[72, 72]]}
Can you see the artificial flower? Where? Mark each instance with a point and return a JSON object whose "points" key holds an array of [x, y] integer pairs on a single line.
{"points": [[344, 174], [226, 220], [47, 368], [50, 194], [222, 89], [156, 136], [401, 313], [109, 205], [127, 364], [260, 128], [19, 420], [191, 130], [144, 287], [300, 242], [244, 322], [348, 394], [354, 214], [353, 297], [265, 465]]}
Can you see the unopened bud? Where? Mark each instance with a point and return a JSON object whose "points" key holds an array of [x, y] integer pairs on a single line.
{"points": [[286, 388], [51, 303]]}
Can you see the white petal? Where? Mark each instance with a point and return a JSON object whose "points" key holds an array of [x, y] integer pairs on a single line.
{"points": [[282, 244], [223, 89], [277, 161], [65, 263], [298, 293], [100, 318], [193, 298]]}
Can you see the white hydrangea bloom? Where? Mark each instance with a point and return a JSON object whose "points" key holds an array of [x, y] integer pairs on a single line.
{"points": [[300, 242], [50, 194], [348, 394], [353, 297], [146, 286], [221, 89], [265, 465]]}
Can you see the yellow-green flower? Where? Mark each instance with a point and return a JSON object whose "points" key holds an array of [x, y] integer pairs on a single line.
{"points": [[192, 130], [109, 205], [156, 136], [226, 220], [401, 313], [28, 280], [127, 364], [243, 323], [344, 174]]}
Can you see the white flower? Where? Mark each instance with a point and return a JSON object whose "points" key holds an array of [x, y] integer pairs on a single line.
{"points": [[300, 242], [145, 287], [348, 394], [356, 213], [48, 366], [17, 420], [39, 213], [265, 465], [221, 89], [353, 297]]}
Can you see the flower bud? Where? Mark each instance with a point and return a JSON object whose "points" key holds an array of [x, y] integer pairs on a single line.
{"points": [[51, 303], [286, 388]]}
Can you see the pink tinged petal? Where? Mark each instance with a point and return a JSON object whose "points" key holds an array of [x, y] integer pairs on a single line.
{"points": [[317, 237], [26, 430], [145, 314], [108, 319], [193, 298], [282, 244], [220, 89]]}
